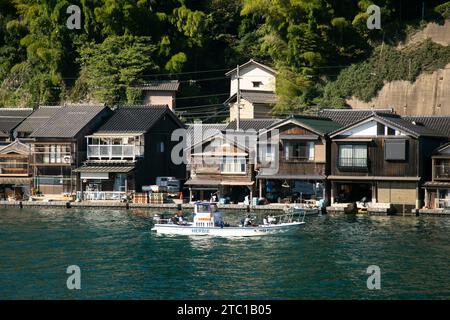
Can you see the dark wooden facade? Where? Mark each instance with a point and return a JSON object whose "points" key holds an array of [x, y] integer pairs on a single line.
{"points": [[379, 178], [303, 171]]}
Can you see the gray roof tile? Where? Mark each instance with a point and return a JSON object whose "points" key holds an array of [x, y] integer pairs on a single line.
{"points": [[37, 119], [349, 116], [255, 96], [440, 124], [68, 121], [11, 117], [134, 118], [256, 124], [172, 85]]}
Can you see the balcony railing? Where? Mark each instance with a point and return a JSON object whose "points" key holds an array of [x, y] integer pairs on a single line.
{"points": [[14, 168], [442, 171], [101, 195], [114, 151]]}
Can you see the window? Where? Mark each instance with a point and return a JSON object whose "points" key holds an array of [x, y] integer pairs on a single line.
{"points": [[233, 165], [395, 149], [56, 153], [257, 84], [303, 150], [353, 155], [269, 156], [161, 147]]}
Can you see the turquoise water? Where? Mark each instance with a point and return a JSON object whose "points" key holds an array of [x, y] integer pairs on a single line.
{"points": [[120, 259]]}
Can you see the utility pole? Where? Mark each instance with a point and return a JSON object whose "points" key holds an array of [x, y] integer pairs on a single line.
{"points": [[238, 99]]}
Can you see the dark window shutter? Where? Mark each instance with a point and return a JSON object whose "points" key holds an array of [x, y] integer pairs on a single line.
{"points": [[395, 149]]}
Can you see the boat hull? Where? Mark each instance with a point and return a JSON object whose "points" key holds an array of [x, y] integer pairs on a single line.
{"points": [[226, 231]]}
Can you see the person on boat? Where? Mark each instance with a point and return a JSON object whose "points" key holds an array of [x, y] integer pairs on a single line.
{"points": [[218, 222], [271, 219], [248, 221]]}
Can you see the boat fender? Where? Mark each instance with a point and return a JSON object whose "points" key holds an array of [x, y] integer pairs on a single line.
{"points": [[68, 206]]}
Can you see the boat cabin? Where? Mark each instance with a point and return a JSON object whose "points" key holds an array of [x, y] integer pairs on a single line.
{"points": [[206, 214]]}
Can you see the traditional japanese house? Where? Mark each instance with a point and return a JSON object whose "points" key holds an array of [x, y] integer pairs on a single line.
{"points": [[382, 158], [130, 151], [222, 164], [15, 172], [10, 118], [295, 167], [58, 147], [437, 191]]}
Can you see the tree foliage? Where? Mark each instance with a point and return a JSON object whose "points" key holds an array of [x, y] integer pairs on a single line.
{"points": [[123, 43]]}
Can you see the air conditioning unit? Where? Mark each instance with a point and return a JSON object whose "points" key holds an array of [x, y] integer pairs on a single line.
{"points": [[67, 159]]}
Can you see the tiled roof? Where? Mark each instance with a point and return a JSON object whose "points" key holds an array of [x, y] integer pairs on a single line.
{"points": [[349, 116], [172, 85], [204, 131], [37, 119], [322, 125], [135, 119], [406, 125], [397, 122], [68, 121], [251, 61], [256, 124], [440, 124], [255, 96], [11, 117]]}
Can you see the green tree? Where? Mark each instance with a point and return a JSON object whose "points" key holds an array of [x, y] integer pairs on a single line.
{"points": [[115, 65]]}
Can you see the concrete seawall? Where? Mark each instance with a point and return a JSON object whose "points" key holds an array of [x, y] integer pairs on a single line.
{"points": [[120, 205]]}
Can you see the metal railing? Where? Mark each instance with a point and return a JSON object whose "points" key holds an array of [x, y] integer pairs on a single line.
{"points": [[114, 151], [101, 195]]}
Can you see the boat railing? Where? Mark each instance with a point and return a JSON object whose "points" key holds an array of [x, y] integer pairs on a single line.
{"points": [[288, 217]]}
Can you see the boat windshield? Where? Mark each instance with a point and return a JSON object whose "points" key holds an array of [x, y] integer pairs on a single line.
{"points": [[205, 208]]}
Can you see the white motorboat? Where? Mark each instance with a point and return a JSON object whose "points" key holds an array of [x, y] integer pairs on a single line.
{"points": [[208, 221]]}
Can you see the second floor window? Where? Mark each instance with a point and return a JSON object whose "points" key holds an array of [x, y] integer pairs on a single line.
{"points": [[55, 153], [353, 155], [233, 165], [299, 150]]}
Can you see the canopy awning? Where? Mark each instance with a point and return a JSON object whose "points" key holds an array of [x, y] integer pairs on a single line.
{"points": [[374, 178], [100, 169], [237, 183], [202, 182], [15, 180], [435, 184], [291, 177]]}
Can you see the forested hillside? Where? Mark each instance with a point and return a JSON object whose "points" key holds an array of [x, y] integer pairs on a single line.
{"points": [[124, 43]]}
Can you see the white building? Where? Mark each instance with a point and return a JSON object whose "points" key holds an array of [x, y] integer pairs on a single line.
{"points": [[257, 88]]}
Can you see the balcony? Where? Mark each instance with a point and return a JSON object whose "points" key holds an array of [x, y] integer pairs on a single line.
{"points": [[114, 151], [442, 171], [14, 168]]}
